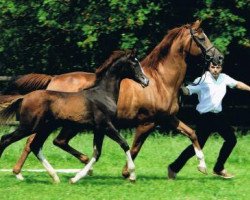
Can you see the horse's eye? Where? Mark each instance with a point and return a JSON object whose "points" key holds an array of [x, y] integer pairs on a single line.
{"points": [[202, 39]]}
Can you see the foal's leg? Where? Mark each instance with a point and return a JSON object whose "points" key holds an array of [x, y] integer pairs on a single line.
{"points": [[26, 151], [98, 141], [179, 125], [36, 148], [10, 138], [62, 141], [115, 135], [142, 132]]}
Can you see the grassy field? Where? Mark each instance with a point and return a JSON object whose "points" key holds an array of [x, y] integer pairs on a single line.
{"points": [[107, 183]]}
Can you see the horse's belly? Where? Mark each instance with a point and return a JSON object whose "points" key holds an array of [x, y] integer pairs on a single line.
{"points": [[72, 111]]}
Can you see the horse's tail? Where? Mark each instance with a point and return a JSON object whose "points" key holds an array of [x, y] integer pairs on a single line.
{"points": [[5, 99], [27, 83], [9, 110]]}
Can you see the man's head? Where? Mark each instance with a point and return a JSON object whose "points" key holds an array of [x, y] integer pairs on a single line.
{"points": [[215, 70]]}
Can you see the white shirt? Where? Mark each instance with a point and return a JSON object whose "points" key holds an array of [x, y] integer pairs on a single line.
{"points": [[211, 91]]}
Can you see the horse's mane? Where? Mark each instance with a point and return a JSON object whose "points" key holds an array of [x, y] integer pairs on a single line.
{"points": [[162, 49], [107, 64]]}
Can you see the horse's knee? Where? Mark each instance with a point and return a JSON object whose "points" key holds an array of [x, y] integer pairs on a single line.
{"points": [[59, 143]]}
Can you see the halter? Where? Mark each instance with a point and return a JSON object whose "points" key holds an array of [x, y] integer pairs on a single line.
{"points": [[204, 51]]}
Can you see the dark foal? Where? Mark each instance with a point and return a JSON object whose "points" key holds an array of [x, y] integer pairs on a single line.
{"points": [[43, 111]]}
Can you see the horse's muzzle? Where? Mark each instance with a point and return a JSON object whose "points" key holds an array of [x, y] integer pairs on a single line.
{"points": [[144, 82]]}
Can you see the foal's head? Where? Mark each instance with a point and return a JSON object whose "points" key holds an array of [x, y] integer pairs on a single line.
{"points": [[123, 64], [197, 42]]}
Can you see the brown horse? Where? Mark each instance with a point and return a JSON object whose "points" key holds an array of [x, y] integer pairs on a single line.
{"points": [[43, 111], [166, 67]]}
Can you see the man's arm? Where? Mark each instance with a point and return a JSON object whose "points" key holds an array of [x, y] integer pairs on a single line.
{"points": [[242, 86]]}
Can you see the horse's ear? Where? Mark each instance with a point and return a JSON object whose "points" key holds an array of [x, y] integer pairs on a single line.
{"points": [[196, 24], [133, 52]]}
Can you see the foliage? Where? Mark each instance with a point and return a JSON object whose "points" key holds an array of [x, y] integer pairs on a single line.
{"points": [[228, 21], [151, 165], [56, 36]]}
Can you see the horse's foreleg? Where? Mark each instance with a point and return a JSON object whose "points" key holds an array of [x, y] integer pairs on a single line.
{"points": [[186, 130], [115, 135], [141, 134], [26, 151], [98, 141]]}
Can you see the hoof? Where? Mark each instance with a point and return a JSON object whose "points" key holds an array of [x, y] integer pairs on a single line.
{"points": [[125, 173], [171, 174], [91, 172], [19, 176], [203, 170], [72, 181], [132, 180], [56, 181]]}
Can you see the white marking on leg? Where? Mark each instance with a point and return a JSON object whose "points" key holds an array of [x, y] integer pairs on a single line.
{"points": [[19, 176], [131, 166], [201, 158], [48, 167], [199, 153], [84, 171]]}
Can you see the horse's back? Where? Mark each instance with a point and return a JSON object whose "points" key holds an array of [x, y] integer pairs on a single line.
{"points": [[60, 105], [72, 82]]}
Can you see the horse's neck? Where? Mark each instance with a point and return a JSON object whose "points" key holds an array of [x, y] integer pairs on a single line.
{"points": [[172, 70], [111, 85]]}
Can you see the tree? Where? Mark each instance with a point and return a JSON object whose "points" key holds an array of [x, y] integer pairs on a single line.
{"points": [[56, 36]]}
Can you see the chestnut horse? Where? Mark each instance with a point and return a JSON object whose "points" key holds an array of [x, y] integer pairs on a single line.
{"points": [[43, 111], [165, 66]]}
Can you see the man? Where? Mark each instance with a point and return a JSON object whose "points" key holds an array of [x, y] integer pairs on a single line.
{"points": [[211, 91]]}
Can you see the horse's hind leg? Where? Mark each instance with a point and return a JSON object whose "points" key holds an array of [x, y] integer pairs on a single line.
{"points": [[186, 130], [62, 141], [26, 151], [142, 132], [10, 138], [36, 147]]}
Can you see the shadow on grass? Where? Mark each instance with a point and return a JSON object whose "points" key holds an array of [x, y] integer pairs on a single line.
{"points": [[106, 179]]}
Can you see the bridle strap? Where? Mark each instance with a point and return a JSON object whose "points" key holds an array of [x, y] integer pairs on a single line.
{"points": [[204, 51]]}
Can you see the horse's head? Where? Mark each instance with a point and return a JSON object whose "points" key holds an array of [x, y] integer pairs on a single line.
{"points": [[131, 68], [198, 43]]}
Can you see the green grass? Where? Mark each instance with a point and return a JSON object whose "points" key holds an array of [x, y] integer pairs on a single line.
{"points": [[151, 164]]}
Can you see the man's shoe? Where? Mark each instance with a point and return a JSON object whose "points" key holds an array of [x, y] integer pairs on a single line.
{"points": [[224, 174], [171, 174]]}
